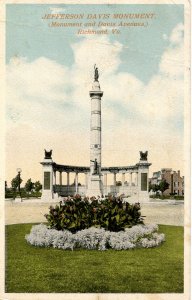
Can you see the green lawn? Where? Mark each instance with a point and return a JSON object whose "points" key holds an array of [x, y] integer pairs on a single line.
{"points": [[42, 270]]}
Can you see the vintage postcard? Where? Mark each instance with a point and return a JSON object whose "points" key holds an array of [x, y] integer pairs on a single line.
{"points": [[96, 158]]}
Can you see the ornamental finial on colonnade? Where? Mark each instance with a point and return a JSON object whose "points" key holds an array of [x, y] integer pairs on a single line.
{"points": [[143, 155], [48, 154]]}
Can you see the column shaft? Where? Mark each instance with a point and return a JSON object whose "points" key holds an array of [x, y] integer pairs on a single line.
{"points": [[136, 179], [55, 180], [123, 179], [86, 179], [105, 179], [76, 182], [67, 178], [60, 178], [114, 179], [131, 179]]}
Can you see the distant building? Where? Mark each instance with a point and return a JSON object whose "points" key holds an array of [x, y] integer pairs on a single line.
{"points": [[176, 182]]}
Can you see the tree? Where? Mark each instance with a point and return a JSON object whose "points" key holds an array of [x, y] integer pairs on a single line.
{"points": [[15, 182], [150, 186], [163, 186], [37, 186], [153, 187], [29, 185]]}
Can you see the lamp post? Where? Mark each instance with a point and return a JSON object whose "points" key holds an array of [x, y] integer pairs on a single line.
{"points": [[19, 187]]}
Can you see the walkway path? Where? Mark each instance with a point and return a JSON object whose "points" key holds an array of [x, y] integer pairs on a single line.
{"points": [[32, 211]]}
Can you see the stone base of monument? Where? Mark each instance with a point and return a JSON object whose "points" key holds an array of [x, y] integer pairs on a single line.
{"points": [[95, 186]]}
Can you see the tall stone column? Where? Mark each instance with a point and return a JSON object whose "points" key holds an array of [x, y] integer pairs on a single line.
{"points": [[47, 180], [95, 187], [95, 144]]}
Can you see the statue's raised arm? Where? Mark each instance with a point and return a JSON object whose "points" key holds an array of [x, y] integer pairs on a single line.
{"points": [[96, 75]]}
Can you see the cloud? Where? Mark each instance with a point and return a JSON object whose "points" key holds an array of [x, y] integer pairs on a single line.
{"points": [[98, 50], [48, 105], [177, 35], [163, 96]]}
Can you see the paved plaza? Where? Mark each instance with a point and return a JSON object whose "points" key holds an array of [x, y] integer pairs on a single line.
{"points": [[32, 211]]}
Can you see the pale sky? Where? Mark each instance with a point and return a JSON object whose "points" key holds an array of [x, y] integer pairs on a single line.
{"points": [[49, 76]]}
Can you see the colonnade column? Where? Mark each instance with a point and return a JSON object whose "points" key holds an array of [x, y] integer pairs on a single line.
{"points": [[105, 179], [55, 180], [60, 178], [76, 182], [130, 179], [86, 180], [136, 179], [67, 178], [114, 179], [123, 179], [68, 183]]}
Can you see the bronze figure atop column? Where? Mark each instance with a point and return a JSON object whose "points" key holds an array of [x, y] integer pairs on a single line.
{"points": [[96, 74]]}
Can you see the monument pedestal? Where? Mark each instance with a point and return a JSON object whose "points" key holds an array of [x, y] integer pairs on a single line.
{"points": [[47, 186], [95, 186]]}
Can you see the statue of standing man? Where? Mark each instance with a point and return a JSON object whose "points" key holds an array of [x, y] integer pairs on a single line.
{"points": [[96, 75], [95, 170]]}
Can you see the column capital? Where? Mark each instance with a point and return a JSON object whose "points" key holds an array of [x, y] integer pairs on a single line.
{"points": [[96, 93]]}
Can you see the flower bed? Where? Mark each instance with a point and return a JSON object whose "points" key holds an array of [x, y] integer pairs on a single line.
{"points": [[139, 236], [78, 213]]}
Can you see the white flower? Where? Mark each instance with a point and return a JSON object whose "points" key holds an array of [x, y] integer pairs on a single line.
{"points": [[145, 236]]}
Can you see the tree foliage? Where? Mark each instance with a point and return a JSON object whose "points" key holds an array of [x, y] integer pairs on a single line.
{"points": [[15, 182], [37, 186], [163, 186], [29, 185]]}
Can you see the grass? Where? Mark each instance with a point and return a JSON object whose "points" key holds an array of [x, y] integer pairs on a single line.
{"points": [[32, 269]]}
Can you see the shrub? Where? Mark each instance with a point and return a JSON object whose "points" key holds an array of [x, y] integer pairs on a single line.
{"points": [[139, 236], [76, 214], [10, 193], [165, 197]]}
